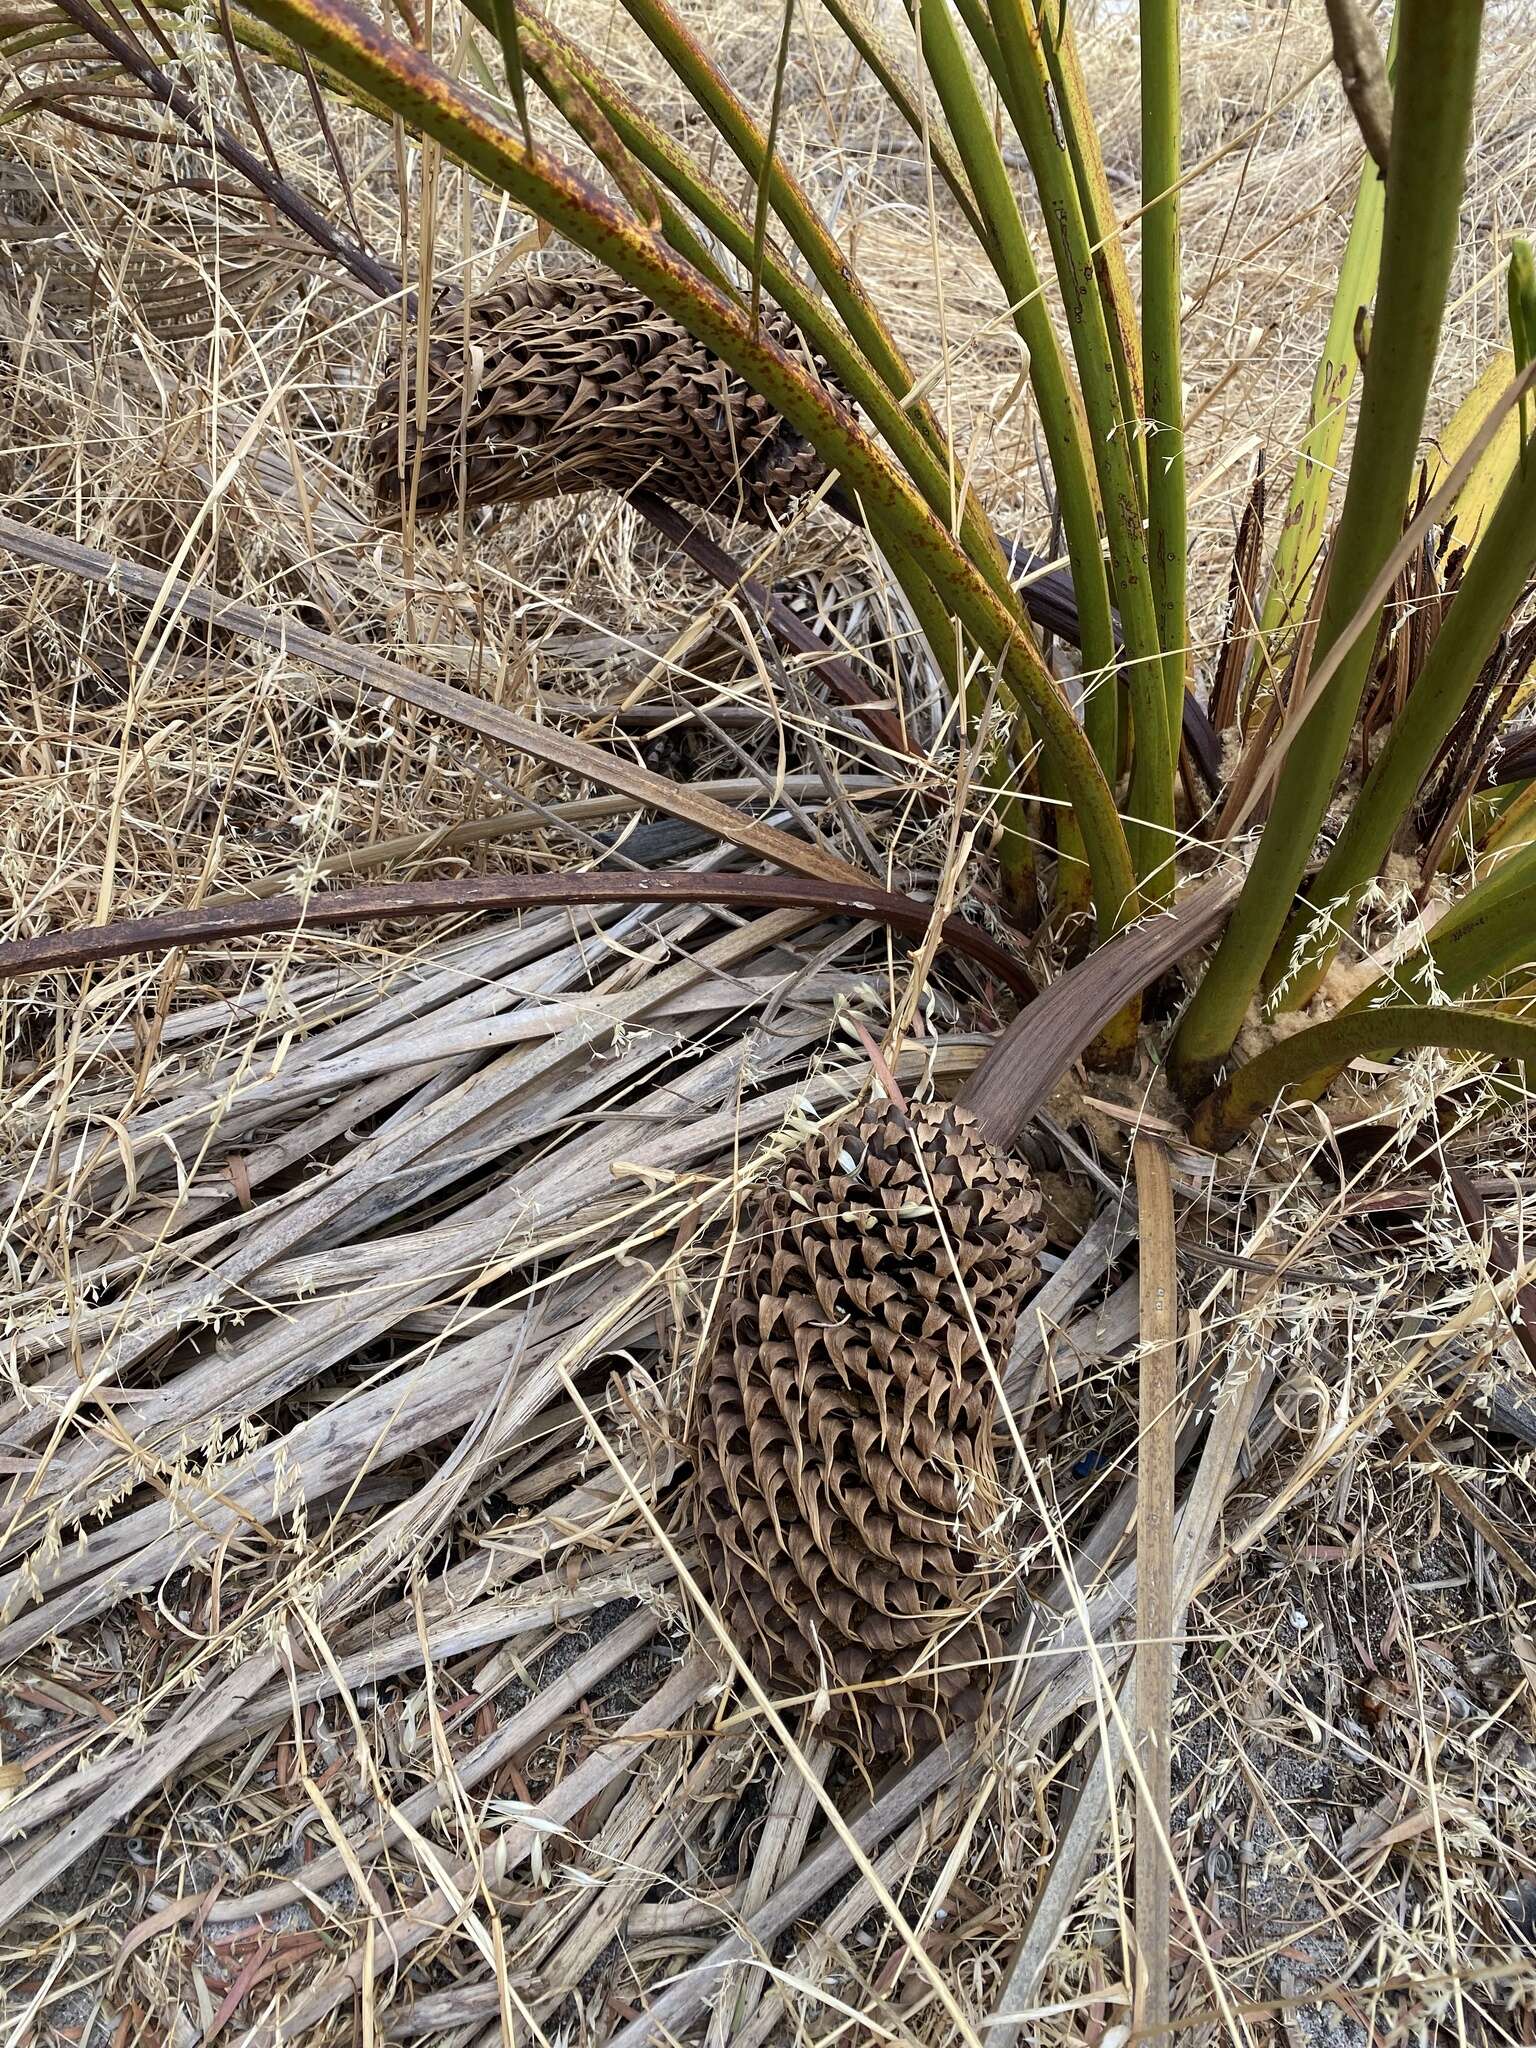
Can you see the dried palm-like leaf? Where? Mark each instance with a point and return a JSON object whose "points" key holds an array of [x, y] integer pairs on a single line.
{"points": [[553, 385], [846, 1490]]}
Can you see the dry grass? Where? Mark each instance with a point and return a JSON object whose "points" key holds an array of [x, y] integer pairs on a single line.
{"points": [[354, 1282]]}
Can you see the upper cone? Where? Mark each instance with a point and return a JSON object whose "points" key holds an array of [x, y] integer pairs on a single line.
{"points": [[552, 385]]}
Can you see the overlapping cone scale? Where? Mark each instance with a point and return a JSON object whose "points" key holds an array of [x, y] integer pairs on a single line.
{"points": [[578, 382], [846, 1493]]}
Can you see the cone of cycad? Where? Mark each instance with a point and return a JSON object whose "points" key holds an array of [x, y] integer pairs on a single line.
{"points": [[846, 1494], [577, 382]]}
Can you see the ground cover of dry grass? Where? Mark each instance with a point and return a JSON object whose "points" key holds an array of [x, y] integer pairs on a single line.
{"points": [[354, 1280]]}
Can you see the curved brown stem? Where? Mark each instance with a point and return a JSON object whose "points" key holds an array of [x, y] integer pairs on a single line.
{"points": [[1040, 1044], [171, 930]]}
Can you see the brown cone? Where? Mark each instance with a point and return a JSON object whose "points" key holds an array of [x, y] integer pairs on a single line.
{"points": [[581, 383], [844, 1466]]}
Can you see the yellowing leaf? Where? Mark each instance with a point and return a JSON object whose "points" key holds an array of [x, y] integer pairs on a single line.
{"points": [[1495, 466]]}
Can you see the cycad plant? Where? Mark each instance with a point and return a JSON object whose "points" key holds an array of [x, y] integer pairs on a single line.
{"points": [[1329, 704], [768, 291]]}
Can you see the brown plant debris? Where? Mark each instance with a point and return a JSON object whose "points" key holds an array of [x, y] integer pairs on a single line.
{"points": [[846, 1484], [554, 385]]}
